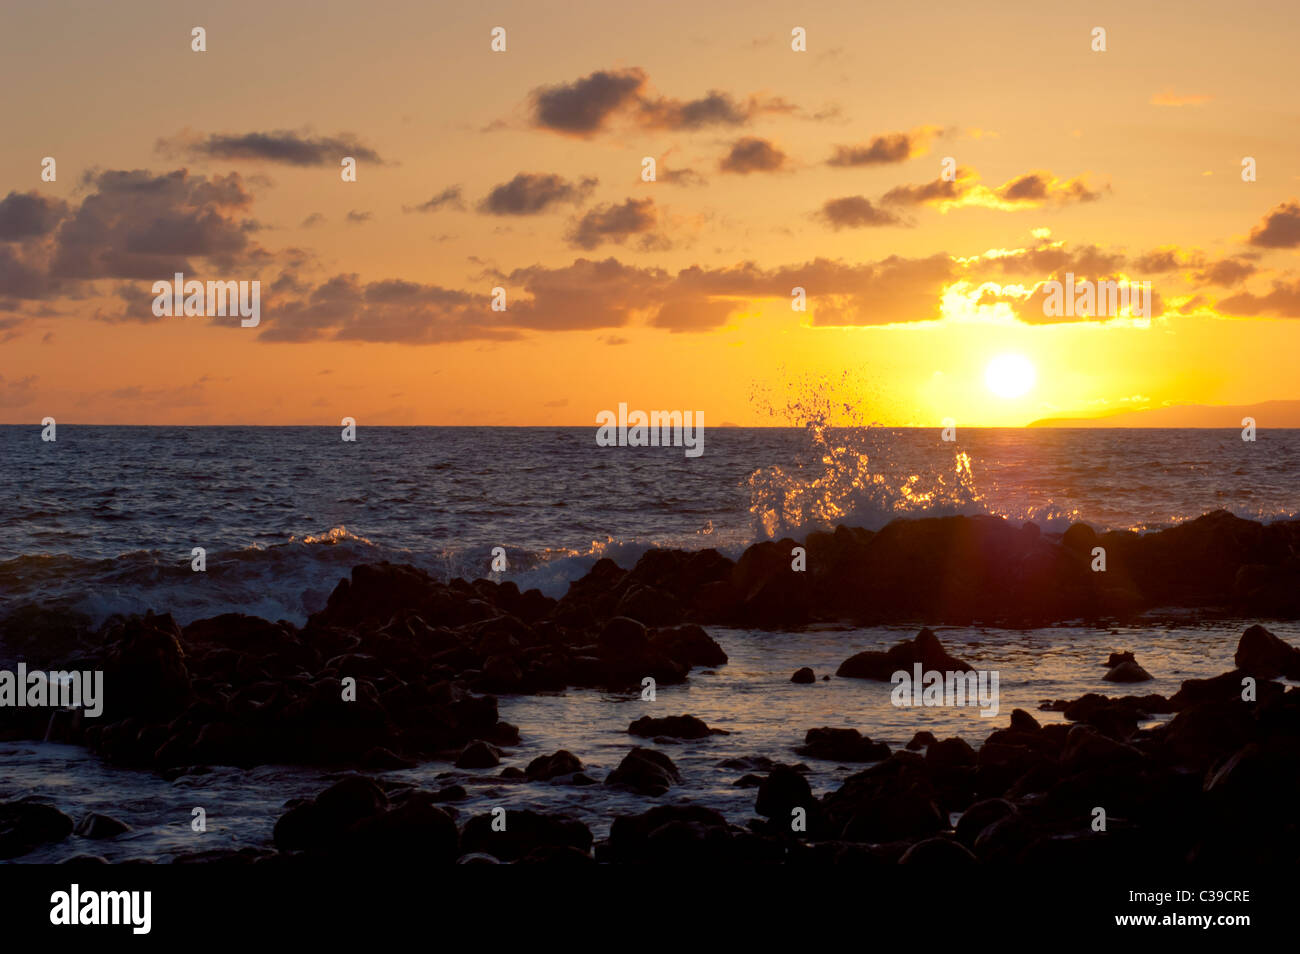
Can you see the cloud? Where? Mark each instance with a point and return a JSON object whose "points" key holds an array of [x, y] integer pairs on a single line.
{"points": [[681, 177], [356, 218], [882, 150], [449, 197], [581, 108], [688, 314], [26, 215], [282, 145], [344, 309], [1280, 228], [1028, 191], [532, 193], [312, 221], [139, 225], [18, 393], [587, 106], [1282, 302], [617, 223], [1226, 272], [1170, 98], [856, 211], [751, 154]]}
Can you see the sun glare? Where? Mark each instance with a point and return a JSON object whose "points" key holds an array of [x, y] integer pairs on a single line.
{"points": [[1010, 375]]}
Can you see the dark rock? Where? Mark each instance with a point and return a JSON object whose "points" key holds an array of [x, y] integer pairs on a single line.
{"points": [[525, 831], [924, 649], [842, 745], [803, 676], [478, 755], [938, 853], [25, 824], [645, 771], [1265, 656], [546, 767], [1127, 671], [95, 825], [673, 727], [920, 740]]}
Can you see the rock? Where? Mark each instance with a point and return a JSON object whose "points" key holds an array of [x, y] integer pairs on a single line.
{"points": [[95, 825], [673, 727], [380, 759], [842, 745], [1127, 671], [950, 753], [803, 676], [688, 645], [478, 755], [938, 853], [645, 771], [1114, 659], [979, 817], [525, 831], [25, 824], [784, 789], [670, 834], [623, 639], [1085, 747], [1265, 656], [920, 740], [546, 767], [924, 649], [1022, 721]]}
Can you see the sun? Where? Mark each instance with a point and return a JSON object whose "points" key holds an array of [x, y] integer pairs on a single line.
{"points": [[1010, 375]]}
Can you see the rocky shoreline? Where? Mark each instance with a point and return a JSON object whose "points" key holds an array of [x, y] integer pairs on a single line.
{"points": [[424, 661]]}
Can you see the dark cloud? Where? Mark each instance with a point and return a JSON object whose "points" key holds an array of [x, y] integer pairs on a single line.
{"points": [[1225, 272], [449, 198], [344, 309], [1157, 261], [357, 218], [582, 107], [1282, 302], [586, 106], [855, 212], [882, 150], [1052, 260], [1027, 191], [752, 154], [531, 193], [139, 225], [1280, 228], [282, 145], [26, 215], [681, 177], [617, 223], [313, 220]]}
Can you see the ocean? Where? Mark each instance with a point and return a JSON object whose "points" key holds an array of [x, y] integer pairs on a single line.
{"points": [[103, 521]]}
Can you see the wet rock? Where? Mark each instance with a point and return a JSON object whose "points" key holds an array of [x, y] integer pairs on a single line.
{"points": [[1265, 656], [95, 825], [1114, 659], [950, 753], [478, 755], [25, 824], [842, 745], [1022, 721], [938, 853], [673, 727], [803, 676], [783, 789], [1085, 747], [525, 831], [924, 649], [920, 740], [1127, 671], [645, 771], [546, 767], [980, 816], [688, 645]]}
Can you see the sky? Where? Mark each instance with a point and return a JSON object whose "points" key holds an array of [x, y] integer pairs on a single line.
{"points": [[522, 169]]}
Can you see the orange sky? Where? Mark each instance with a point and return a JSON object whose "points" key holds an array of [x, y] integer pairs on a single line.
{"points": [[776, 168]]}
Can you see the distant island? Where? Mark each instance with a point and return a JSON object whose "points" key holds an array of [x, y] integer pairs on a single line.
{"points": [[1267, 414]]}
